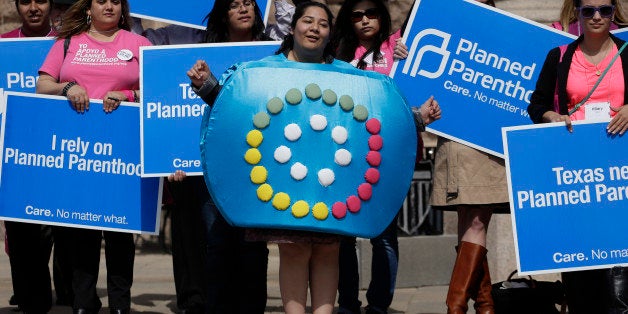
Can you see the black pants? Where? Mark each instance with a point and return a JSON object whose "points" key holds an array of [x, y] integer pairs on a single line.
{"points": [[62, 265], [29, 252], [189, 254], [597, 291], [119, 254], [237, 268]]}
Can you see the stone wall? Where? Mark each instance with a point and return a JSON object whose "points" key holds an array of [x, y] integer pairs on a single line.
{"points": [[8, 16]]}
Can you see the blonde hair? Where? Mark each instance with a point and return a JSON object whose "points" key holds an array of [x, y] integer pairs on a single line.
{"points": [[568, 13]]}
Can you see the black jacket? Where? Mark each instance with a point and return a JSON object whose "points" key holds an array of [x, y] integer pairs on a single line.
{"points": [[542, 99]]}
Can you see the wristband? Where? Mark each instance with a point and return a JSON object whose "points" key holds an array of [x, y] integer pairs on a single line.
{"points": [[129, 95], [66, 88]]}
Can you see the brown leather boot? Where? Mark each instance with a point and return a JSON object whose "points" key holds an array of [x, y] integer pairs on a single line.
{"points": [[484, 300], [465, 277]]}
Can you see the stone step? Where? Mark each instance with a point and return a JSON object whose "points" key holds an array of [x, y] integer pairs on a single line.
{"points": [[542, 11]]}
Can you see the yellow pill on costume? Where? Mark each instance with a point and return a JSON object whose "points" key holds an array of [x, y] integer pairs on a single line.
{"points": [[281, 201], [320, 211], [265, 192], [254, 138], [252, 156], [300, 209], [259, 174]]}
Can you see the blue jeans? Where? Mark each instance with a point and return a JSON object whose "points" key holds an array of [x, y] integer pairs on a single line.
{"points": [[237, 268], [384, 266]]}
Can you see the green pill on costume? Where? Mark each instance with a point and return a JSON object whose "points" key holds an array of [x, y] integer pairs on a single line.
{"points": [[312, 91], [274, 105], [293, 96], [329, 97], [346, 102], [261, 120], [360, 113]]}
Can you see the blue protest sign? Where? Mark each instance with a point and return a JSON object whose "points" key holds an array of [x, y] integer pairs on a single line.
{"points": [[171, 111], [20, 60], [1, 108], [480, 63], [82, 170], [189, 13], [568, 196], [621, 33]]}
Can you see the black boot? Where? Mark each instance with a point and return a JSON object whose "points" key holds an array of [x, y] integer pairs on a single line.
{"points": [[586, 291], [617, 290]]}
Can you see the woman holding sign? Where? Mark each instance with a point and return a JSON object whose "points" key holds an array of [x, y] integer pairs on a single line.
{"points": [[96, 56], [363, 38], [233, 275], [587, 79], [472, 183]]}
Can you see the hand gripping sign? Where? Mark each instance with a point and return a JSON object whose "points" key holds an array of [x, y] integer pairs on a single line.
{"points": [[320, 147]]}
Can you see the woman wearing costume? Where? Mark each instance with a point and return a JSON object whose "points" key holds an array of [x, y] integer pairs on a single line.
{"points": [[307, 259], [570, 72], [102, 25]]}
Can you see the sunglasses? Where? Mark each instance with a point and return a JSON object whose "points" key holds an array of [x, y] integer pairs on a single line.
{"points": [[588, 12], [371, 14]]}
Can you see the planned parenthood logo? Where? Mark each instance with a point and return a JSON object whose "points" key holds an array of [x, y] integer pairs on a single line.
{"points": [[471, 63]]}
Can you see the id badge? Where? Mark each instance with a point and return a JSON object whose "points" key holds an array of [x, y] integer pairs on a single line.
{"points": [[597, 110]]}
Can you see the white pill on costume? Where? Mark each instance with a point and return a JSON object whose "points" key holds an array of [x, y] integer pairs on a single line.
{"points": [[326, 177], [298, 171], [342, 157], [292, 132], [318, 122], [282, 154], [339, 135]]}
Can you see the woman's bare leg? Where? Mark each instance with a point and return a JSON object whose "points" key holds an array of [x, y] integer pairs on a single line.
{"points": [[324, 277], [294, 274]]}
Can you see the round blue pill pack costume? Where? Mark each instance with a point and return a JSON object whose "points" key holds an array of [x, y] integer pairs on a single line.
{"points": [[319, 147]]}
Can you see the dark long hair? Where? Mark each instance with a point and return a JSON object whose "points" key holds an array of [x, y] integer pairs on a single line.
{"points": [[75, 18], [217, 30], [288, 41], [347, 41]]}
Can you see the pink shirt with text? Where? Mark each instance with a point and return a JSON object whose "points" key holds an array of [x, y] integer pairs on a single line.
{"points": [[97, 66]]}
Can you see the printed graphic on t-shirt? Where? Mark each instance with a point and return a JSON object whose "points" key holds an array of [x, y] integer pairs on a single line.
{"points": [[98, 56], [368, 59]]}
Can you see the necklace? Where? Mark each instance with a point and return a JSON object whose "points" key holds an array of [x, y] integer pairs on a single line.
{"points": [[591, 57], [109, 32]]}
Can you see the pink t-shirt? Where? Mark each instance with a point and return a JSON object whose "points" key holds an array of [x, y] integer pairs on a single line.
{"points": [[583, 76], [384, 65], [97, 66], [17, 33], [12, 34]]}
